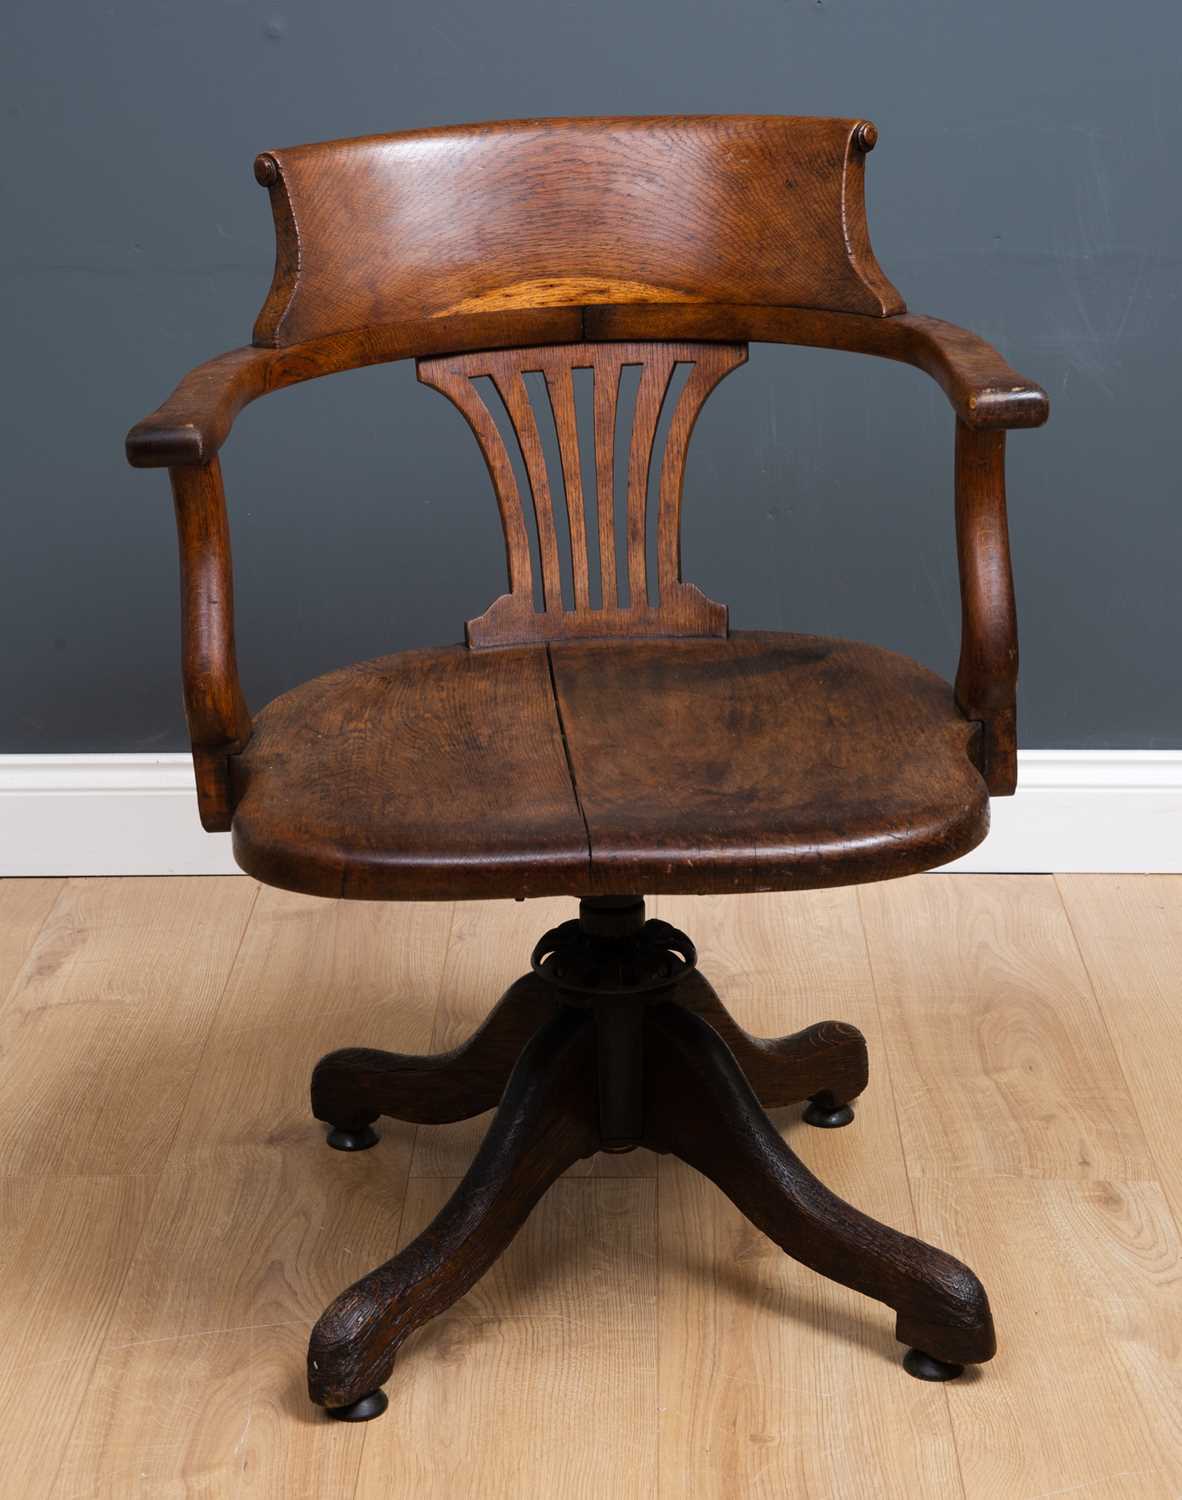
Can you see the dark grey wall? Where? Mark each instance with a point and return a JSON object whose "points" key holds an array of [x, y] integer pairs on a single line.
{"points": [[1026, 185]]}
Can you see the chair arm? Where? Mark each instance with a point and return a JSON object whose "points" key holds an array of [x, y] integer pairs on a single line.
{"points": [[984, 391], [196, 419], [987, 393], [218, 718]]}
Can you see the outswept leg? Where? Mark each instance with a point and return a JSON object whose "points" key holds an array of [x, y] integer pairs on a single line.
{"points": [[353, 1086], [545, 1123], [701, 1108], [826, 1063], [625, 1047]]}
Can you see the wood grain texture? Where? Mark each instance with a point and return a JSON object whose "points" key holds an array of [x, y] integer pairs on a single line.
{"points": [[763, 761], [287, 1221], [664, 605], [702, 1110], [668, 1082], [336, 966], [1085, 1397], [1129, 931], [218, 718], [485, 951], [827, 1056], [569, 212], [402, 776], [65, 1246], [27, 904], [776, 1383], [520, 235], [140, 1429], [772, 1379], [119, 989], [287, 1455], [284, 1230], [1002, 1060], [353, 1086], [193, 423], [780, 961], [987, 675], [541, 1380], [984, 390], [190, 427], [543, 1124], [211, 1414]]}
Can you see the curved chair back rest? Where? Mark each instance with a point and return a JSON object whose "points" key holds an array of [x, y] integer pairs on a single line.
{"points": [[434, 224]]}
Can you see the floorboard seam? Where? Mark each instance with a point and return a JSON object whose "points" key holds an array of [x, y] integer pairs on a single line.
{"points": [[102, 1346], [1146, 1137], [6, 998], [915, 1225], [213, 1018]]}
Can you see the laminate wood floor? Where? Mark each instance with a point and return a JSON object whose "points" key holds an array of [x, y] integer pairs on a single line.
{"points": [[171, 1222]]}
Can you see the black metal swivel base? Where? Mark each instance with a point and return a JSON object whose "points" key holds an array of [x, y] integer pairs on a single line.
{"points": [[612, 1041]]}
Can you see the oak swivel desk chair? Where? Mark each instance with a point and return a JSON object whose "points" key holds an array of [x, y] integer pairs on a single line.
{"points": [[601, 733]]}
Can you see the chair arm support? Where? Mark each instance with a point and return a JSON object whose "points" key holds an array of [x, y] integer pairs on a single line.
{"points": [[196, 419], [219, 720], [987, 675]]}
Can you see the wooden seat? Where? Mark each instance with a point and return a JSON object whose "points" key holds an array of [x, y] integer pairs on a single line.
{"points": [[577, 289], [758, 762]]}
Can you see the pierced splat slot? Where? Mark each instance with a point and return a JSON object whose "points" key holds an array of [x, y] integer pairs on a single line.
{"points": [[643, 564]]}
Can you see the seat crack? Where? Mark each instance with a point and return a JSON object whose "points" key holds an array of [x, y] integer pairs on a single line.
{"points": [[570, 765]]}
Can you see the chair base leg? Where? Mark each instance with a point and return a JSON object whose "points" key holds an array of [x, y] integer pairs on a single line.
{"points": [[584, 1056]]}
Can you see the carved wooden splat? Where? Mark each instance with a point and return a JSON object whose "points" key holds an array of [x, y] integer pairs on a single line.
{"points": [[666, 606]]}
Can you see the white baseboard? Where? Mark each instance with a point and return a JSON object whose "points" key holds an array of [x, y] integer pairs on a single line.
{"points": [[1117, 811], [1103, 810], [105, 815]]}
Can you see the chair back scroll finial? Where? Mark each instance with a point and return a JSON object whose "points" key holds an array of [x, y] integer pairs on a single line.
{"points": [[662, 605]]}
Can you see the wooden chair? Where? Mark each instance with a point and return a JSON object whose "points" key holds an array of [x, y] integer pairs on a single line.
{"points": [[601, 733]]}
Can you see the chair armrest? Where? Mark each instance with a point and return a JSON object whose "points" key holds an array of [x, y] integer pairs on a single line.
{"points": [[987, 393], [218, 718], [196, 419]]}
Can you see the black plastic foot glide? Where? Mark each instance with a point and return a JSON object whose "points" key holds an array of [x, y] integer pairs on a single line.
{"points": [[925, 1367], [363, 1410], [347, 1138], [826, 1114]]}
